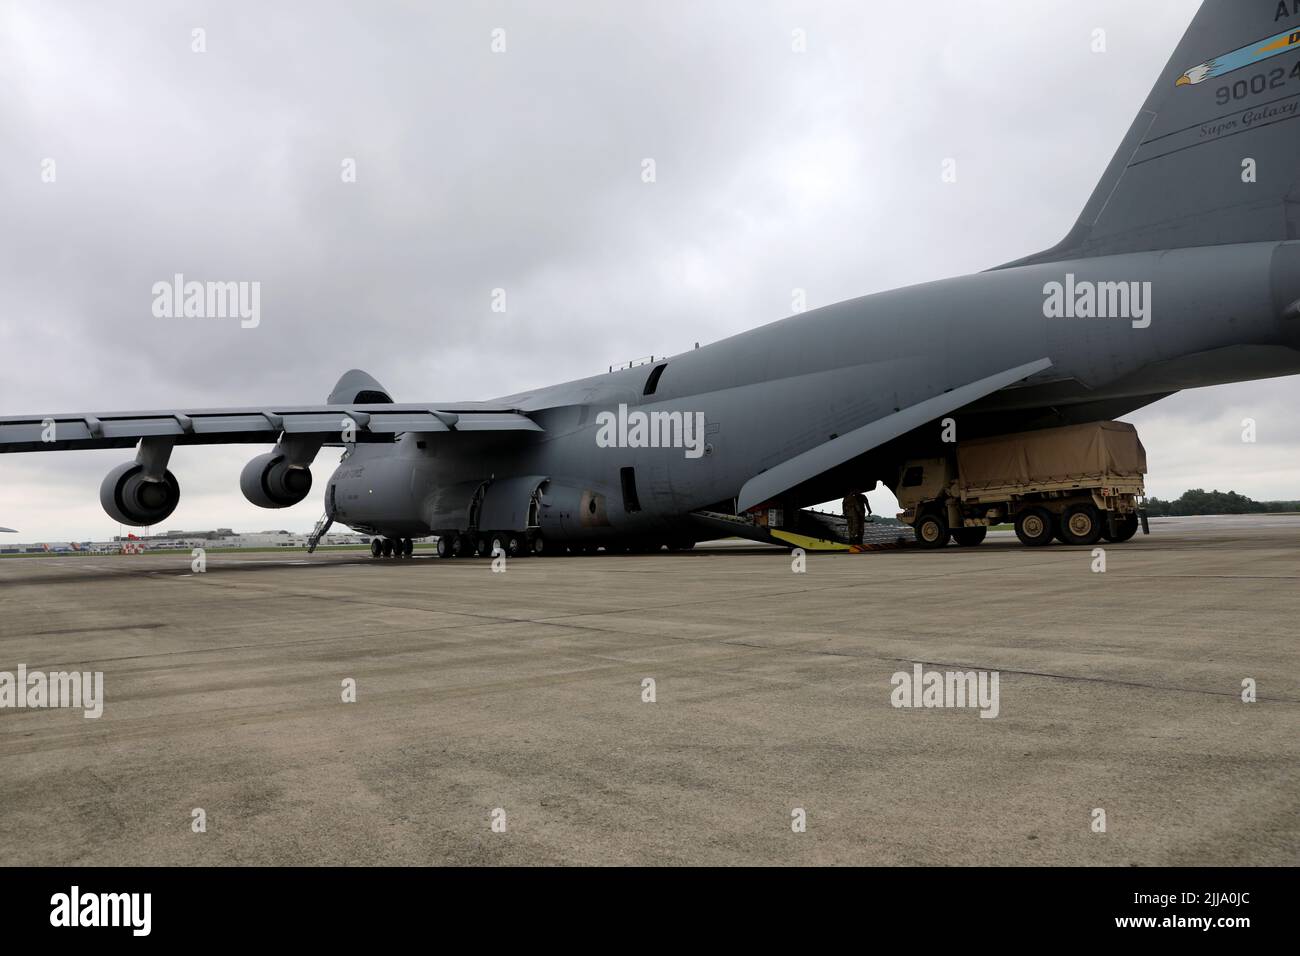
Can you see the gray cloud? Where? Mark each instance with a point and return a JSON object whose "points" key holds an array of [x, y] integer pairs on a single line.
{"points": [[522, 171]]}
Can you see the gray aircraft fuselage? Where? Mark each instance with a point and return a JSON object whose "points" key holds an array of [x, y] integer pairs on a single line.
{"points": [[1217, 314]]}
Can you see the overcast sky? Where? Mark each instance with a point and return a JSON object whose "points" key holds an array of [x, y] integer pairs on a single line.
{"points": [[522, 170]]}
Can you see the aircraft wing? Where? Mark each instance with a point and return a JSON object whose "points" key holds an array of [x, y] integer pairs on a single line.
{"points": [[794, 471], [214, 426]]}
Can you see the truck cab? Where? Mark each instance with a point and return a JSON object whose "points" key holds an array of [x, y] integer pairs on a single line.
{"points": [[921, 482]]}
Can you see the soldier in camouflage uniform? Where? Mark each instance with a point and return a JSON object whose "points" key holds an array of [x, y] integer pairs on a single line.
{"points": [[855, 509]]}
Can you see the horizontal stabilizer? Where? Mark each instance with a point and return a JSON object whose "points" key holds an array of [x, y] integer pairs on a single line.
{"points": [[795, 471]]}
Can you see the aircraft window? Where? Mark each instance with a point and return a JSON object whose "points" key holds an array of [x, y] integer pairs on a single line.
{"points": [[913, 476], [630, 501], [652, 382]]}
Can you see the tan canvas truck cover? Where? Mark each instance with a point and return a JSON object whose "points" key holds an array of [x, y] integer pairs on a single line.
{"points": [[1071, 453]]}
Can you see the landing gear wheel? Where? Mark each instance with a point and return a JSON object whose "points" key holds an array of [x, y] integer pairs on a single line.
{"points": [[408, 547], [1080, 525], [931, 530], [459, 546], [539, 546], [1125, 527], [388, 547], [1034, 527], [483, 547], [444, 546], [498, 544], [376, 548], [514, 546], [970, 537]]}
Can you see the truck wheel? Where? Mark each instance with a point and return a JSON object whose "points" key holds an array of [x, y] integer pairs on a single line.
{"points": [[1125, 527], [1034, 527], [1080, 525], [931, 530], [970, 537]]}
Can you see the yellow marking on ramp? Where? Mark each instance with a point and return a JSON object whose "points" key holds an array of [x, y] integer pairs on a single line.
{"points": [[807, 543]]}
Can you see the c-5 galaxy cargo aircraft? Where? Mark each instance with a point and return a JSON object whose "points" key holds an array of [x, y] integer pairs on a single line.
{"points": [[1183, 270]]}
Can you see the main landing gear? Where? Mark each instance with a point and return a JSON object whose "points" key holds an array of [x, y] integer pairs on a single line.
{"points": [[391, 547], [513, 544], [519, 544]]}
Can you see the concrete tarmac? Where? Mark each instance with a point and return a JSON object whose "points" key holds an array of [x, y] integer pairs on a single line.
{"points": [[522, 692]]}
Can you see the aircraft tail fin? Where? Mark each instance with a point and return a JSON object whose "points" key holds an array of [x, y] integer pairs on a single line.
{"points": [[1214, 155]]}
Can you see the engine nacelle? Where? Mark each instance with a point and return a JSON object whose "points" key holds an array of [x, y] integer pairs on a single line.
{"points": [[270, 481], [132, 499]]}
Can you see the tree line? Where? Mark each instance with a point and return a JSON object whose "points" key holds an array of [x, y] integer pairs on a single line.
{"points": [[1198, 501]]}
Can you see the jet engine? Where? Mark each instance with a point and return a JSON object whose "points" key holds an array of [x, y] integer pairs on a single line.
{"points": [[271, 481], [131, 498]]}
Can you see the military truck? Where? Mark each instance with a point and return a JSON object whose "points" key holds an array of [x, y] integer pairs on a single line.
{"points": [[1076, 484]]}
